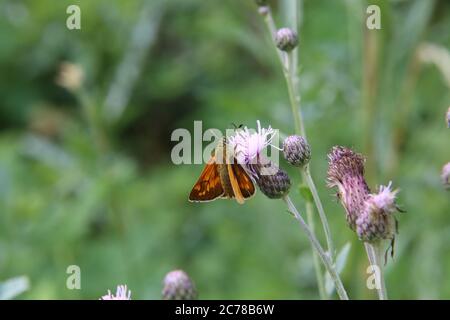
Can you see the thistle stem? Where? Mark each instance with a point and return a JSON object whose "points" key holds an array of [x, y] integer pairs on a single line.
{"points": [[375, 255], [318, 269], [289, 65], [294, 97], [318, 249], [323, 218]]}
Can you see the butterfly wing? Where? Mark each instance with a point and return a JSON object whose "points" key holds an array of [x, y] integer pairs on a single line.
{"points": [[208, 186], [243, 187]]}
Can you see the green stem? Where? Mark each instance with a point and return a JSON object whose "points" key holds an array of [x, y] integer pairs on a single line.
{"points": [[294, 96], [323, 218], [319, 274], [375, 255], [289, 63], [319, 250]]}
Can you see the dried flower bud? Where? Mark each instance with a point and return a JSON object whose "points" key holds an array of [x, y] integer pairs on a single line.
{"points": [[446, 176], [271, 180], [346, 172], [178, 286], [377, 221], [296, 151], [286, 39]]}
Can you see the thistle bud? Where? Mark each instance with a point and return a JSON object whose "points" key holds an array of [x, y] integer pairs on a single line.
{"points": [[286, 39], [446, 176], [346, 172], [271, 180], [178, 286], [296, 151], [377, 222]]}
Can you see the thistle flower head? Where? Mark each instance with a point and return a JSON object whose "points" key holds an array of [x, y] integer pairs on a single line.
{"points": [[248, 146], [446, 176], [122, 293], [273, 182], [178, 286], [384, 200], [296, 151], [346, 172], [286, 39], [376, 221]]}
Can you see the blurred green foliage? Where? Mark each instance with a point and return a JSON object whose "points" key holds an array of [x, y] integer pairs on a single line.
{"points": [[77, 188]]}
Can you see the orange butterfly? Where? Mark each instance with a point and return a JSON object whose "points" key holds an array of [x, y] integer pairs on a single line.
{"points": [[222, 179]]}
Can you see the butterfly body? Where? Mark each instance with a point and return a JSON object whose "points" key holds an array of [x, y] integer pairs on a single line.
{"points": [[222, 177]]}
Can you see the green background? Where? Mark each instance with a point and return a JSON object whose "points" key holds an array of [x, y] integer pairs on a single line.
{"points": [[78, 187]]}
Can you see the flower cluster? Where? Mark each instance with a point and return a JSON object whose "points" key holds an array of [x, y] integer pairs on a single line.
{"points": [[370, 215], [249, 146], [249, 149]]}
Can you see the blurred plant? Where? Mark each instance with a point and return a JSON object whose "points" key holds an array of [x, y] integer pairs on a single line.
{"points": [[13, 287], [70, 76], [447, 117], [446, 176], [122, 293], [178, 286]]}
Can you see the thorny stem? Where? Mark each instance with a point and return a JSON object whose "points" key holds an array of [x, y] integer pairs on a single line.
{"points": [[318, 248], [375, 255]]}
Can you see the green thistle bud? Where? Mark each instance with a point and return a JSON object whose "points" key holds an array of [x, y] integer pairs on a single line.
{"points": [[446, 176], [346, 172], [376, 221], [178, 286], [286, 39], [271, 180], [296, 151]]}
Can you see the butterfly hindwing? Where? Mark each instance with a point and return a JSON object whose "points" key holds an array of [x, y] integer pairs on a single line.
{"points": [[241, 183]]}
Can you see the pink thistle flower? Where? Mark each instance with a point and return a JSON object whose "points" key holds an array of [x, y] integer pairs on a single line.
{"points": [[122, 293]]}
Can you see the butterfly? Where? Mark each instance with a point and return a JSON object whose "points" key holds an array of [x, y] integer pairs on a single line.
{"points": [[222, 179]]}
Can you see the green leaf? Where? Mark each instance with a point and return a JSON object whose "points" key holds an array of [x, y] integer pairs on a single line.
{"points": [[341, 260]]}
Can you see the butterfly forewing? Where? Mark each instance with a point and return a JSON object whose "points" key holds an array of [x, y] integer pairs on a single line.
{"points": [[208, 186]]}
